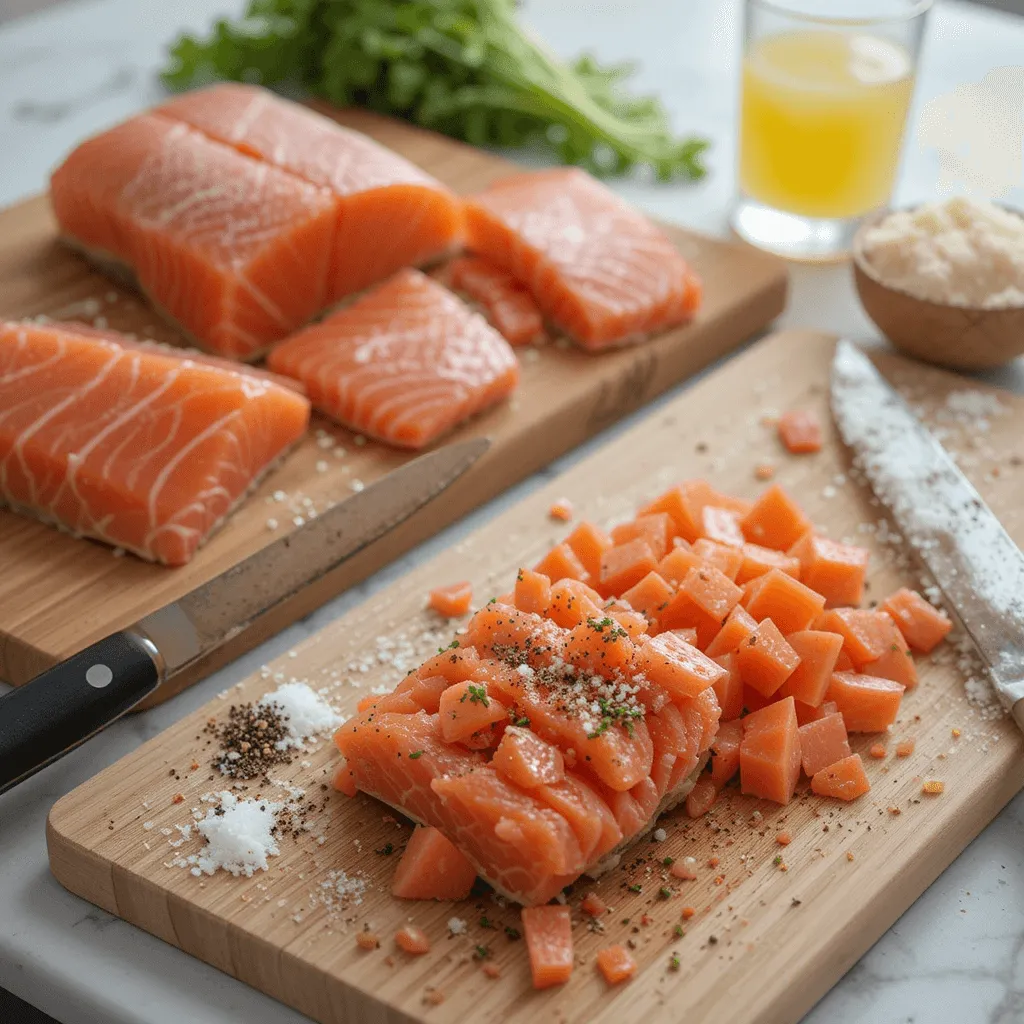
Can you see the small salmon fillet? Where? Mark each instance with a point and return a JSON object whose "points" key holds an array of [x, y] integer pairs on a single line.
{"points": [[391, 214], [135, 449], [405, 363], [506, 303], [234, 251], [598, 269]]}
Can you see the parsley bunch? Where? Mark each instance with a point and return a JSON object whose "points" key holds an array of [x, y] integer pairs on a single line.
{"points": [[462, 67]]}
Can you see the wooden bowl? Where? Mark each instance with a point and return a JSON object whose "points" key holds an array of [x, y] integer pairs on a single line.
{"points": [[958, 337]]}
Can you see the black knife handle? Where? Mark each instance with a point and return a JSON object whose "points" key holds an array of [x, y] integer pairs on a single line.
{"points": [[55, 712]]}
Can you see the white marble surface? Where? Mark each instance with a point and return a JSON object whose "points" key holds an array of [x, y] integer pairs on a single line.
{"points": [[956, 957]]}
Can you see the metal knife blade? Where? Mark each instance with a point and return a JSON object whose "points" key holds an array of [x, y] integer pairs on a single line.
{"points": [[214, 612], [973, 559]]}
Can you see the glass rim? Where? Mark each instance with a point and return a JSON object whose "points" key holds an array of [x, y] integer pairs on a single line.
{"points": [[915, 10]]}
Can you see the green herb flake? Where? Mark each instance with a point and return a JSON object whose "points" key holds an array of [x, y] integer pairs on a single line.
{"points": [[664, 893], [486, 922], [415, 754], [668, 861], [777, 859], [673, 962], [481, 952], [635, 887], [512, 934], [679, 930], [475, 695]]}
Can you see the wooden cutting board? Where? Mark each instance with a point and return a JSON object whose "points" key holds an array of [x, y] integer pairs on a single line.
{"points": [[765, 939], [59, 594]]}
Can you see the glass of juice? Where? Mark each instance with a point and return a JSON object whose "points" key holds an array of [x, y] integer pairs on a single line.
{"points": [[825, 92]]}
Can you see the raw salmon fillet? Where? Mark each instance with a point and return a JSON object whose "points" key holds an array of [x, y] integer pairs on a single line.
{"points": [[233, 250], [141, 451], [391, 214], [600, 270], [540, 751], [405, 363], [506, 303]]}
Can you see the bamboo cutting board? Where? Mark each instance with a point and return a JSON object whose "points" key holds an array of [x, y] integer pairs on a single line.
{"points": [[59, 594], [764, 941]]}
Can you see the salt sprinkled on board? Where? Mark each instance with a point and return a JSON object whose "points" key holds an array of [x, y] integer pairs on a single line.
{"points": [[456, 926], [239, 836], [305, 712]]}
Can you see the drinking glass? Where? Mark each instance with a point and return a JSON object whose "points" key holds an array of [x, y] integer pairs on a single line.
{"points": [[825, 92]]}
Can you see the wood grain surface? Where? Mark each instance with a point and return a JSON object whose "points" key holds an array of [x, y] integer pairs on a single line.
{"points": [[766, 938], [58, 594]]}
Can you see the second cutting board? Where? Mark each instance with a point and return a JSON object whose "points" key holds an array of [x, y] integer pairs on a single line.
{"points": [[58, 594]]}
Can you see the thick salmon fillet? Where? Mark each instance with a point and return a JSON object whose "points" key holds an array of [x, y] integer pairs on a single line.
{"points": [[529, 839], [129, 447], [405, 363], [599, 270], [233, 250], [391, 214]]}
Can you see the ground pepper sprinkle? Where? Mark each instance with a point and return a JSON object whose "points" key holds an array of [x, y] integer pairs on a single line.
{"points": [[248, 741]]}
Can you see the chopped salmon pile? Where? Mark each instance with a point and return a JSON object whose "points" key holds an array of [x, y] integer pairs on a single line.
{"points": [[628, 671]]}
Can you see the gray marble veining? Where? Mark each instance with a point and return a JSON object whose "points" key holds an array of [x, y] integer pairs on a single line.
{"points": [[956, 957]]}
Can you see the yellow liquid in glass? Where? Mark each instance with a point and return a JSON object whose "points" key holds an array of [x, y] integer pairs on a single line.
{"points": [[821, 121]]}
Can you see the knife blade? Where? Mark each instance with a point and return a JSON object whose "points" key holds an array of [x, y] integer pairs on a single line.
{"points": [[963, 545], [52, 714]]}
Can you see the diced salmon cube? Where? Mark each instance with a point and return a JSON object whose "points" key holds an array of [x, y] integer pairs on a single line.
{"points": [[739, 624], [572, 602], [616, 964], [677, 563], [896, 662], [823, 743], [866, 634], [786, 601], [765, 659], [680, 668], [674, 502], [800, 431], [775, 521], [560, 563], [625, 565], [600, 645], [845, 779], [701, 798], [548, 934], [770, 752], [466, 708], [456, 664], [866, 703], [682, 612], [453, 600], [805, 713], [633, 622], [650, 596], [758, 560], [818, 653], [922, 625], [834, 570], [589, 543], [527, 760], [711, 591], [657, 528], [432, 868], [729, 689], [725, 558], [532, 592], [721, 525]]}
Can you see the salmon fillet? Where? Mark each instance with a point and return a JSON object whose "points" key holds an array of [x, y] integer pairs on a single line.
{"points": [[600, 270], [233, 250], [132, 448], [391, 214], [507, 304], [529, 823], [405, 363]]}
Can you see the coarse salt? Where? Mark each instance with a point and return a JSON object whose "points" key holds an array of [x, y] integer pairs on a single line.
{"points": [[306, 713], [239, 836]]}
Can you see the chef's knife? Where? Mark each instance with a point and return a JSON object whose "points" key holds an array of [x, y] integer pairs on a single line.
{"points": [[52, 714], [972, 558]]}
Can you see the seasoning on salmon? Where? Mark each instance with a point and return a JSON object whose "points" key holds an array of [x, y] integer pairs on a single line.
{"points": [[388, 213], [452, 600], [598, 269], [505, 301], [405, 363], [135, 449], [432, 868]]}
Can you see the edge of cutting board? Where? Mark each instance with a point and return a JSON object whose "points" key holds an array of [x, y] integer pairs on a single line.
{"points": [[770, 972]]}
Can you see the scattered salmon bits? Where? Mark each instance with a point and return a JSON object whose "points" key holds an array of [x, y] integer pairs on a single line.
{"points": [[451, 601], [616, 964], [800, 432]]}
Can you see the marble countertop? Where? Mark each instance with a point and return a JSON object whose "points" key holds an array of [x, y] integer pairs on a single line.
{"points": [[956, 957]]}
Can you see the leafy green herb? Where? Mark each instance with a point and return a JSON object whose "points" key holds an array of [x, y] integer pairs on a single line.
{"points": [[673, 961], [513, 934], [664, 893], [415, 754], [612, 714], [450, 647], [486, 922], [481, 952], [463, 67], [668, 861], [475, 695], [679, 930], [777, 859], [523, 722], [635, 887]]}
